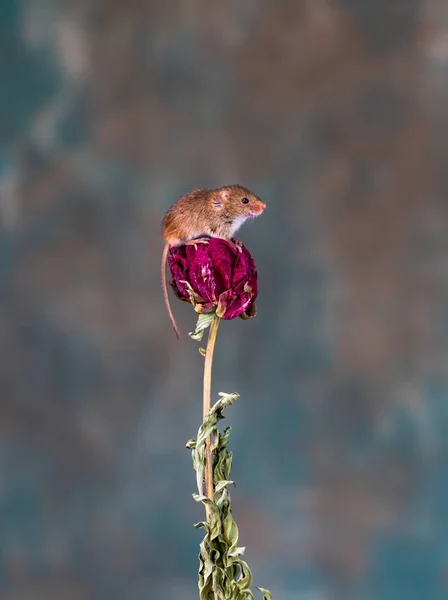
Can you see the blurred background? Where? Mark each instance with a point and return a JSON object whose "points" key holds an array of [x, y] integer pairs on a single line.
{"points": [[335, 113]]}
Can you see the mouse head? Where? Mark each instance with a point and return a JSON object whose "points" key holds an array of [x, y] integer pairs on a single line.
{"points": [[238, 200], [236, 204]]}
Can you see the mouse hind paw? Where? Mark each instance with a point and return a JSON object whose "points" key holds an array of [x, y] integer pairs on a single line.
{"points": [[196, 241]]}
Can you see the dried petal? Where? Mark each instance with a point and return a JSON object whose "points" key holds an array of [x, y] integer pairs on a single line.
{"points": [[215, 276]]}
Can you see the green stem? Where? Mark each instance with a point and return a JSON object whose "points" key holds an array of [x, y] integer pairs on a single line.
{"points": [[207, 397]]}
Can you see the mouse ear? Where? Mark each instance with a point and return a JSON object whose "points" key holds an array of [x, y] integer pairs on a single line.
{"points": [[220, 198]]}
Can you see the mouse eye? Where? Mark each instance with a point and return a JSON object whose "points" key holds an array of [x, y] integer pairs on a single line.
{"points": [[245, 200]]}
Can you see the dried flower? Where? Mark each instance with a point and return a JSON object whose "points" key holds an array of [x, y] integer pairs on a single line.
{"points": [[215, 276]]}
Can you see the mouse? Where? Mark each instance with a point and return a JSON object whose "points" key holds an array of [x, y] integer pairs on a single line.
{"points": [[203, 214]]}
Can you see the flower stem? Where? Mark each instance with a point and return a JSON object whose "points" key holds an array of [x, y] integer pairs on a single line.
{"points": [[208, 475]]}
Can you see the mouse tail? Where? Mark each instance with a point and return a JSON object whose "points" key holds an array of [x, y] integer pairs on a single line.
{"points": [[165, 290]]}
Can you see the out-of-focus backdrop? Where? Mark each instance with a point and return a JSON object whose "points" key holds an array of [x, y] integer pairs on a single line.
{"points": [[335, 113]]}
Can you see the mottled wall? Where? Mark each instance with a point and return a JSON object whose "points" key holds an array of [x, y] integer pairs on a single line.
{"points": [[335, 113]]}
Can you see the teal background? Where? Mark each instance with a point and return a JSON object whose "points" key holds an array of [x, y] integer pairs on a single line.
{"points": [[335, 113]]}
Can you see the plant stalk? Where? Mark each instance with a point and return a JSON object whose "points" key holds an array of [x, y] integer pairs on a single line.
{"points": [[207, 398], [206, 406]]}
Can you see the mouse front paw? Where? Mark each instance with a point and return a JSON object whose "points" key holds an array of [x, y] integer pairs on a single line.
{"points": [[237, 244]]}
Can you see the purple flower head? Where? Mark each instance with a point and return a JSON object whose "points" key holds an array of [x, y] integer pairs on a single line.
{"points": [[215, 277]]}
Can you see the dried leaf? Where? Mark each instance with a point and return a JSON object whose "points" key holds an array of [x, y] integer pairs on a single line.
{"points": [[221, 570], [204, 321]]}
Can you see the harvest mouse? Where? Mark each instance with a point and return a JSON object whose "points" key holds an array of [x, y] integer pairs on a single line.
{"points": [[202, 213]]}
